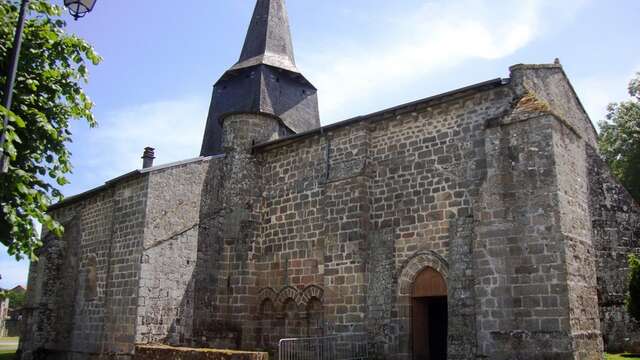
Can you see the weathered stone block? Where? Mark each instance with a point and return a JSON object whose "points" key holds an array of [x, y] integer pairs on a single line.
{"points": [[173, 353], [493, 187]]}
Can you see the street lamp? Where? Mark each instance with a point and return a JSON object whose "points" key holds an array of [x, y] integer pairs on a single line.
{"points": [[78, 9]]}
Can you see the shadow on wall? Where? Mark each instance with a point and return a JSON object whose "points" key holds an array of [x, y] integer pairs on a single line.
{"points": [[288, 314], [205, 316], [194, 323], [12, 328]]}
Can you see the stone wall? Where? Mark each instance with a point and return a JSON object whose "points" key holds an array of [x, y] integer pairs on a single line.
{"points": [[492, 186], [534, 256], [580, 255], [225, 292], [4, 315], [470, 179], [428, 164], [553, 90], [167, 280], [82, 292], [349, 209], [12, 328], [315, 226], [124, 272], [616, 234], [521, 280]]}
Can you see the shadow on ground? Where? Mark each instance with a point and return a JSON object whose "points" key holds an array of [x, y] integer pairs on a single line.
{"points": [[7, 355]]}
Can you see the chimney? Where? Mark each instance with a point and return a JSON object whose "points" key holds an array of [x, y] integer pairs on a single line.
{"points": [[147, 157]]}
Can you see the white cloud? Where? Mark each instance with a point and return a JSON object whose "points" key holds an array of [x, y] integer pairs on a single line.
{"points": [[400, 48], [174, 128], [598, 91], [421, 42]]}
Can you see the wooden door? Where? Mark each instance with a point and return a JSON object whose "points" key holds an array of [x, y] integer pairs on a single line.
{"points": [[429, 316]]}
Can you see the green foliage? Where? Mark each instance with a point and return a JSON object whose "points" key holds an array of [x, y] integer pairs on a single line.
{"points": [[16, 298], [622, 357], [48, 94], [620, 139], [633, 297]]}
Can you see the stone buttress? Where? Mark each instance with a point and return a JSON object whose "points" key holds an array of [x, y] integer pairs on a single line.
{"points": [[494, 193], [534, 256]]}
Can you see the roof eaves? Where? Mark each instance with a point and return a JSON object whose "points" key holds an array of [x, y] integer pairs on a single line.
{"points": [[84, 195], [378, 115]]}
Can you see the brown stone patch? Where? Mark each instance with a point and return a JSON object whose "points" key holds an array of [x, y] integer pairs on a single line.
{"points": [[162, 352], [531, 103]]}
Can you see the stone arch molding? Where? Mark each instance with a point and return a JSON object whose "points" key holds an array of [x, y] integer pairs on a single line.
{"points": [[415, 264], [267, 294], [310, 292], [300, 297], [286, 294]]}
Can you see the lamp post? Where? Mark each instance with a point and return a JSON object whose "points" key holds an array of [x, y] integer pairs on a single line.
{"points": [[78, 9], [11, 78]]}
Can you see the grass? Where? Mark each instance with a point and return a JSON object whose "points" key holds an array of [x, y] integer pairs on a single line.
{"points": [[7, 354], [608, 357]]}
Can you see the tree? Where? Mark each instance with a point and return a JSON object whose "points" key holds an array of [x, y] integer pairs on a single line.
{"points": [[48, 95], [620, 139], [633, 297], [16, 298]]}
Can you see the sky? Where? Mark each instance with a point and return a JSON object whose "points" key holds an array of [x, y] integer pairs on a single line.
{"points": [[161, 59]]}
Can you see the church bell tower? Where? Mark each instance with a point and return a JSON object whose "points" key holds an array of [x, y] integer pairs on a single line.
{"points": [[264, 81]]}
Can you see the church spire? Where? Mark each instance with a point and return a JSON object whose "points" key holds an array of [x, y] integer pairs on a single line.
{"points": [[265, 80], [268, 40]]}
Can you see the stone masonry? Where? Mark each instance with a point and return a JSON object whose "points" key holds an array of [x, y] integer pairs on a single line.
{"points": [[615, 232], [4, 315], [497, 188]]}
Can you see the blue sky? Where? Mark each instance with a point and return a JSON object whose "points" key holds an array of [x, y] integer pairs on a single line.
{"points": [[161, 59]]}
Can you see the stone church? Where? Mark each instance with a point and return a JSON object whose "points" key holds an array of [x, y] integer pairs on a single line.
{"points": [[476, 224]]}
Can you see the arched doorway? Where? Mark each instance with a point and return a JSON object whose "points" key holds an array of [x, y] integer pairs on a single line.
{"points": [[429, 316]]}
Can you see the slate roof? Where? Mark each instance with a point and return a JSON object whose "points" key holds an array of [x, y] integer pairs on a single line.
{"points": [[265, 80], [268, 40]]}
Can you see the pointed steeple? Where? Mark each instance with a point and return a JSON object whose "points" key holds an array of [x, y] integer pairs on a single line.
{"points": [[265, 80], [268, 40]]}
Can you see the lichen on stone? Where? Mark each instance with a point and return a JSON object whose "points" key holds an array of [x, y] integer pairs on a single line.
{"points": [[531, 103]]}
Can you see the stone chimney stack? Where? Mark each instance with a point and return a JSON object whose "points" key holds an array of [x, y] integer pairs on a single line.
{"points": [[147, 157]]}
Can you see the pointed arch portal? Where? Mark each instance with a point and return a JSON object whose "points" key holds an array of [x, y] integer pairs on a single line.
{"points": [[429, 315]]}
